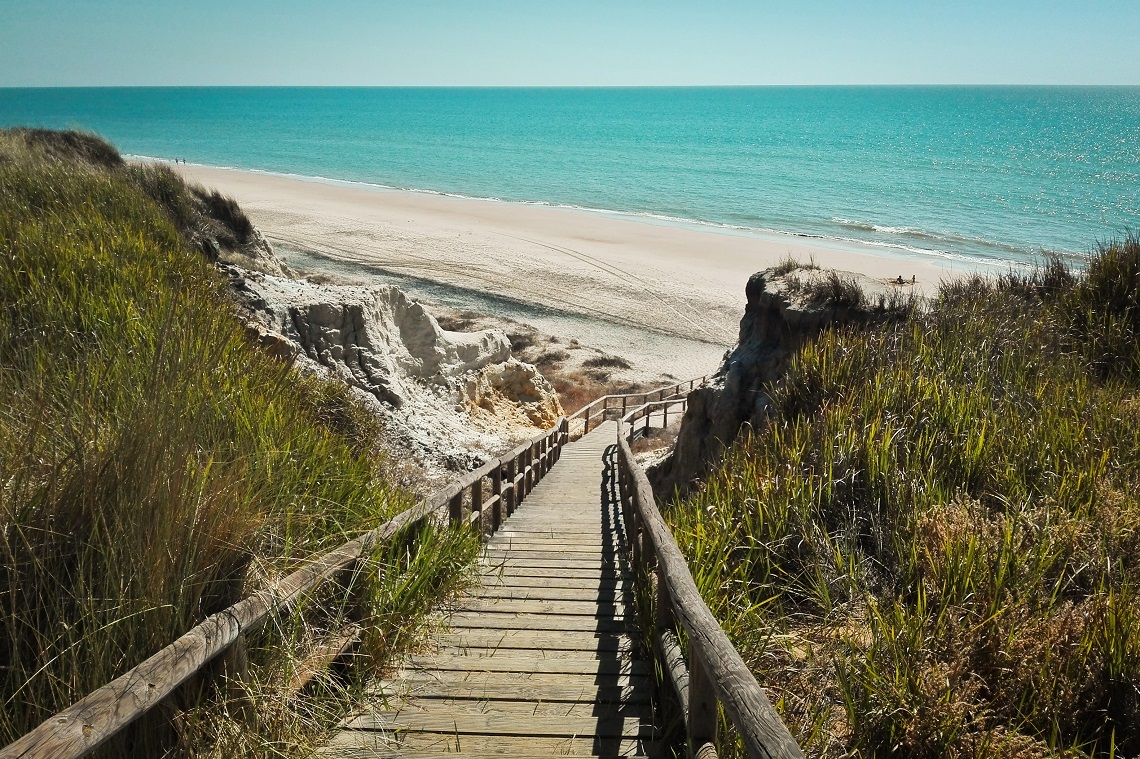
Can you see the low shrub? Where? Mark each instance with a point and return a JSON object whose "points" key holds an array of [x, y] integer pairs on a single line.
{"points": [[930, 550]]}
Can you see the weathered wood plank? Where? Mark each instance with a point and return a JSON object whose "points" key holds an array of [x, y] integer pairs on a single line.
{"points": [[552, 642], [537, 622], [514, 661], [522, 606], [525, 549], [554, 558], [367, 744], [551, 531], [417, 676], [517, 708], [539, 653], [504, 724], [591, 573], [592, 595], [517, 580], [533, 691]]}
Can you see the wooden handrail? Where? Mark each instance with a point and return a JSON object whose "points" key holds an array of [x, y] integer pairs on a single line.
{"points": [[716, 672], [645, 411], [591, 411], [99, 716]]}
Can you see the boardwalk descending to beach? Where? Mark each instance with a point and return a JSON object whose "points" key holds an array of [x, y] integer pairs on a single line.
{"points": [[538, 660]]}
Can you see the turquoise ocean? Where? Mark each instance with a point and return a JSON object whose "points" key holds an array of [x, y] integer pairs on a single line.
{"points": [[982, 175]]}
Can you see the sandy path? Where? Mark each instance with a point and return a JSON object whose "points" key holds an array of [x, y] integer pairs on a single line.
{"points": [[638, 289]]}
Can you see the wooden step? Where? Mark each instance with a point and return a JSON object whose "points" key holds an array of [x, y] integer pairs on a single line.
{"points": [[531, 639], [533, 690], [504, 724], [518, 661], [367, 744]]}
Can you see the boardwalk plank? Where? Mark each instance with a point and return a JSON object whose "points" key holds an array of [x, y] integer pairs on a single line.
{"points": [[549, 641], [537, 622], [354, 744], [552, 690], [516, 662], [503, 724]]}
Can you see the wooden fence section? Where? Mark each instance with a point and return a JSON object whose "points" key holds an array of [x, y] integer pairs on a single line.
{"points": [[714, 672], [647, 411], [618, 406], [94, 719]]}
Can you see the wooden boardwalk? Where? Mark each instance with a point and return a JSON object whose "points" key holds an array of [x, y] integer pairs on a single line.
{"points": [[538, 659]]}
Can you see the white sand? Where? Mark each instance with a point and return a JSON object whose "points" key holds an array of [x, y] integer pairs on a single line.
{"points": [[666, 297]]}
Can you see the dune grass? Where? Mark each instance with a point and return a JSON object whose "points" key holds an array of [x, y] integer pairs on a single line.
{"points": [[154, 465], [932, 550]]}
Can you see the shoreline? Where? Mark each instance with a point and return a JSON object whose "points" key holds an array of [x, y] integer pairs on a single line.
{"points": [[667, 298], [946, 259]]}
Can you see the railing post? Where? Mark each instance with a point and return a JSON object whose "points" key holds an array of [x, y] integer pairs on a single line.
{"points": [[477, 502], [528, 471], [497, 490], [455, 508], [665, 416], [702, 710], [235, 671], [663, 603], [633, 524], [511, 491]]}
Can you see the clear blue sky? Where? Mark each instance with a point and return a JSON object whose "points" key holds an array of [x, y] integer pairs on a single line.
{"points": [[581, 42]]}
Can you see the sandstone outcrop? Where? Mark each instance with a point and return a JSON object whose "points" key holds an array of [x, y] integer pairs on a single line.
{"points": [[254, 253], [449, 400], [783, 310]]}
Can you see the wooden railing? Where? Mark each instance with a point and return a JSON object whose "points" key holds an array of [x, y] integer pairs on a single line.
{"points": [[99, 716], [713, 672], [617, 406], [647, 411]]}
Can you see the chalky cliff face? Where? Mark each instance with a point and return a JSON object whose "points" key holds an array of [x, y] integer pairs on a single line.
{"points": [[448, 399], [779, 317]]}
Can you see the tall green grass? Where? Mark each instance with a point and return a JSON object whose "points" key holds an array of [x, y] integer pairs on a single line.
{"points": [[932, 550], [154, 465]]}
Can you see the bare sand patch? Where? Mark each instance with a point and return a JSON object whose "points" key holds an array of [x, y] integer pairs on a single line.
{"points": [[665, 299]]}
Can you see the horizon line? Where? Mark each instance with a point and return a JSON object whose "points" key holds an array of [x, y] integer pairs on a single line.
{"points": [[898, 85]]}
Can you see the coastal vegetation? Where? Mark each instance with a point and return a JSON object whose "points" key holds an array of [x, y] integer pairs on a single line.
{"points": [[930, 550], [156, 466]]}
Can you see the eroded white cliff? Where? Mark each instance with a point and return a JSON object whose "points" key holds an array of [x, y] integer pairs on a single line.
{"points": [[449, 399]]}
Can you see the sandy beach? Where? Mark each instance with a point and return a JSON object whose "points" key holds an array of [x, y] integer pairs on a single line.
{"points": [[667, 298]]}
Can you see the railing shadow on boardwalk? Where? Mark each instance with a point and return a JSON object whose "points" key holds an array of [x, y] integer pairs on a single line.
{"points": [[617, 701]]}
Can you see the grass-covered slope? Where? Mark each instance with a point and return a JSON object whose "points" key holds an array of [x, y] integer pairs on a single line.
{"points": [[934, 549], [154, 466]]}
